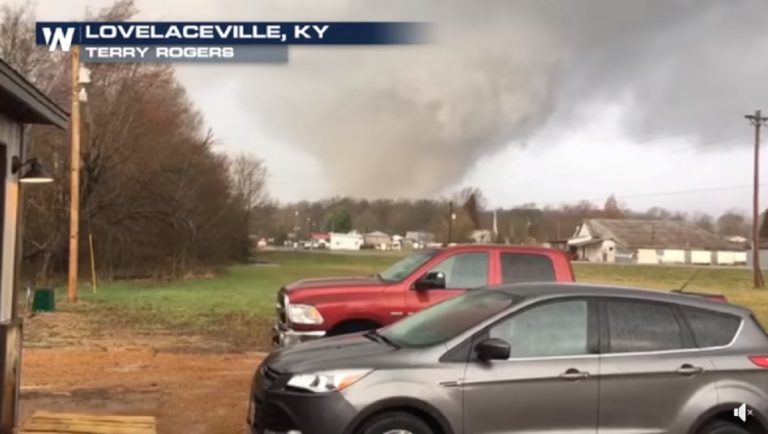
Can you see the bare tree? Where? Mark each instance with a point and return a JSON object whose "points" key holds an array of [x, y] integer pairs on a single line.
{"points": [[155, 197], [704, 221], [733, 223], [611, 209], [249, 179]]}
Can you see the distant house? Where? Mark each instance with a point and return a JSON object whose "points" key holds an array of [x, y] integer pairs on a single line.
{"points": [[320, 240], [556, 244], [652, 242], [763, 245], [420, 237], [377, 240], [349, 241], [481, 236], [737, 239]]}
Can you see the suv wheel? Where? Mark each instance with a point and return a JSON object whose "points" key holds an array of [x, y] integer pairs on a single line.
{"points": [[396, 423], [722, 427]]}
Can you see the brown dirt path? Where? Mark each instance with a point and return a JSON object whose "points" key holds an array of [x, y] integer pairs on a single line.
{"points": [[191, 384]]}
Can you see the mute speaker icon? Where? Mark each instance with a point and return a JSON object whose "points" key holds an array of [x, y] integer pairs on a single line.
{"points": [[741, 412]]}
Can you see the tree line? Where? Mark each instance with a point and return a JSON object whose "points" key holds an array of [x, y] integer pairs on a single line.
{"points": [[155, 197], [526, 223]]}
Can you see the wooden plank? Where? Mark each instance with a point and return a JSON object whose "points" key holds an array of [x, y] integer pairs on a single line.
{"points": [[78, 416], [91, 429], [88, 430], [43, 422], [87, 422]]}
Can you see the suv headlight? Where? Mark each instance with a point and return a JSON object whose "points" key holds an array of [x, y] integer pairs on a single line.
{"points": [[304, 314], [327, 381]]}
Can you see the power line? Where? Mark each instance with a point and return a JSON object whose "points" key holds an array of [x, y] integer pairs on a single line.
{"points": [[696, 190], [659, 194]]}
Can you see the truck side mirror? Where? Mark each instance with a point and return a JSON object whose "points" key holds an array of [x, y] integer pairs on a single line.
{"points": [[432, 280]]}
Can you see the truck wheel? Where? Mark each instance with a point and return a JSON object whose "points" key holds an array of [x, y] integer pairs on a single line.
{"points": [[722, 427], [396, 423]]}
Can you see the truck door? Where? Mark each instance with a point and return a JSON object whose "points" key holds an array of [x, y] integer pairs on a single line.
{"points": [[462, 271]]}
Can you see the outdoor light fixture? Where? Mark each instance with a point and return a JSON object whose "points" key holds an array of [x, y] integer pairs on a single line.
{"points": [[36, 174]]}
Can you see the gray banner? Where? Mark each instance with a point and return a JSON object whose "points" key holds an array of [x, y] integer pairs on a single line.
{"points": [[186, 54]]}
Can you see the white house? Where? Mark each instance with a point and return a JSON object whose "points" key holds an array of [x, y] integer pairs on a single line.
{"points": [[420, 237], [652, 242], [481, 236], [349, 241], [377, 240], [397, 242]]}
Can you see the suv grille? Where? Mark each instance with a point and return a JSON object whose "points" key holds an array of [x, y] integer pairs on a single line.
{"points": [[276, 419], [271, 417]]}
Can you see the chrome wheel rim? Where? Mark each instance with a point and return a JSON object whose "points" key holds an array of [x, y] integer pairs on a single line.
{"points": [[398, 431]]}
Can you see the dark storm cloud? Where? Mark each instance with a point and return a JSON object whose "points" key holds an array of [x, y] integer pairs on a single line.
{"points": [[411, 121]]}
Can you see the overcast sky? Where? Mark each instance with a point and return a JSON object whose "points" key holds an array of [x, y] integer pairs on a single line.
{"points": [[545, 102]]}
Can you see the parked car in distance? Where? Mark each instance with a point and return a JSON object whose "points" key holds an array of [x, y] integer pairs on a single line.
{"points": [[315, 308], [532, 358]]}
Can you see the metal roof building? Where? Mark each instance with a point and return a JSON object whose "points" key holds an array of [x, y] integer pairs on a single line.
{"points": [[652, 241]]}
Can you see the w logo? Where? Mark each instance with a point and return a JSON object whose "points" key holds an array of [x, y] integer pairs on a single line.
{"points": [[60, 37]]}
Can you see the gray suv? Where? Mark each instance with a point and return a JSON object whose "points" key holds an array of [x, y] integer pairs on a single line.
{"points": [[528, 358]]}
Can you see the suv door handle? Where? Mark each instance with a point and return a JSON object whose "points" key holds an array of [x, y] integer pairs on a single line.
{"points": [[573, 374], [688, 369]]}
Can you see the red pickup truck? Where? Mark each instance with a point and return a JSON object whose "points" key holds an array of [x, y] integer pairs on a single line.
{"points": [[314, 308]]}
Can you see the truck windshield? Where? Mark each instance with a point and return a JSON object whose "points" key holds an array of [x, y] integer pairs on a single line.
{"points": [[404, 267], [448, 319]]}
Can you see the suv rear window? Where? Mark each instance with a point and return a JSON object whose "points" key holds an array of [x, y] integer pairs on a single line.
{"points": [[521, 267], [640, 327], [711, 329]]}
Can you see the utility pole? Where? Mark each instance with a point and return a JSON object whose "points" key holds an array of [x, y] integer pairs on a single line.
{"points": [[74, 174], [296, 225], [527, 226], [451, 216], [757, 120]]}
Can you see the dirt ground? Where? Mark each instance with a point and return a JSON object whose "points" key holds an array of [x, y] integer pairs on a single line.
{"points": [[191, 384]]}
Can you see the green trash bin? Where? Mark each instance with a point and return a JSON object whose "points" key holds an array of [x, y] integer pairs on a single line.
{"points": [[44, 300]]}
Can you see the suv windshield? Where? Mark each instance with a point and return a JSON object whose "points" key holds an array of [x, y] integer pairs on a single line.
{"points": [[448, 319], [404, 267]]}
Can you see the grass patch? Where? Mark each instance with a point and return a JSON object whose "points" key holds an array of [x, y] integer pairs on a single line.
{"points": [[238, 305], [734, 283]]}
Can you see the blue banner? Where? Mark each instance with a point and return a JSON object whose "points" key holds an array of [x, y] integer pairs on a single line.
{"points": [[61, 35]]}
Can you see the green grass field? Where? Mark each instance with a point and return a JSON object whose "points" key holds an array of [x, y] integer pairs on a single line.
{"points": [[238, 304]]}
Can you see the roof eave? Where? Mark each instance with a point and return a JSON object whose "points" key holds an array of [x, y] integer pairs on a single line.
{"points": [[45, 110]]}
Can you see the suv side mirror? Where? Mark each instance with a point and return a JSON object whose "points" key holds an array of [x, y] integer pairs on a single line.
{"points": [[492, 349], [432, 280]]}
